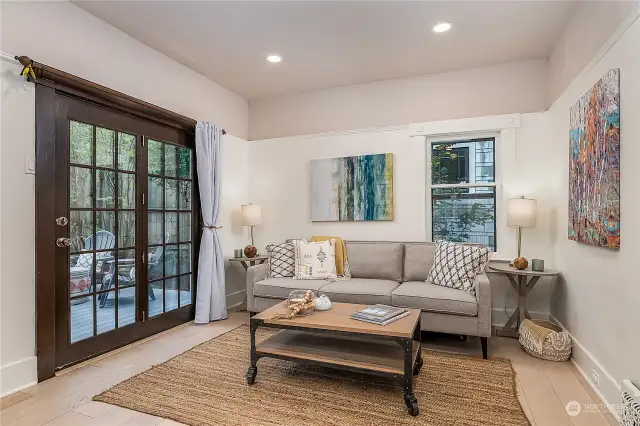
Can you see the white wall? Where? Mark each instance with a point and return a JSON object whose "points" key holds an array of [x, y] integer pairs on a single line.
{"points": [[281, 184], [68, 38], [599, 296], [590, 26], [497, 89]]}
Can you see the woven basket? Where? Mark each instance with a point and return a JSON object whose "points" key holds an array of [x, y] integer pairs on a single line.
{"points": [[630, 415], [545, 340]]}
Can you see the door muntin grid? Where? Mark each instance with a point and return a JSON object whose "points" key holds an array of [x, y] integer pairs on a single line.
{"points": [[169, 226], [102, 228]]}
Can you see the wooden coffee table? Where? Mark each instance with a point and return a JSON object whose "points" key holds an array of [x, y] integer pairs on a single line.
{"points": [[332, 339]]}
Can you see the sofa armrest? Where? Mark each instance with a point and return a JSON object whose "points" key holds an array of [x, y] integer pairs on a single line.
{"points": [[483, 295], [254, 274]]}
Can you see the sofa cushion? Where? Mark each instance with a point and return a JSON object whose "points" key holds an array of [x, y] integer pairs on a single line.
{"points": [[435, 298], [366, 291], [375, 260], [418, 258], [279, 288]]}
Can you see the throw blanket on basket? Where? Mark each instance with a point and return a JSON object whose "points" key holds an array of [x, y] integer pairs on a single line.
{"points": [[342, 263]]}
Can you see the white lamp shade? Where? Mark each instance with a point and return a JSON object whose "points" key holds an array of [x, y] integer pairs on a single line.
{"points": [[252, 214], [521, 212]]}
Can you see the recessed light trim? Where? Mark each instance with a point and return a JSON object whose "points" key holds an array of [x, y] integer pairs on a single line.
{"points": [[274, 59], [442, 27]]}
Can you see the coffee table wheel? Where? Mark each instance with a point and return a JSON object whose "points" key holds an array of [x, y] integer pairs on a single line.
{"points": [[412, 404], [251, 375], [417, 367]]}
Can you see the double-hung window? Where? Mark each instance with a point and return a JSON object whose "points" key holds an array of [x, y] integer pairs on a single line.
{"points": [[462, 189]]}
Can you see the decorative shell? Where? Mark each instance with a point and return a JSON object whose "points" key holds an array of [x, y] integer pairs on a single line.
{"points": [[323, 303], [520, 263]]}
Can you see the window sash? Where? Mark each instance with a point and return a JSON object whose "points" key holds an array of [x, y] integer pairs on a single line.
{"points": [[430, 187]]}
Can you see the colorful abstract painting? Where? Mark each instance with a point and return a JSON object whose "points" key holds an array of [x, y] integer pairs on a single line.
{"points": [[352, 188], [594, 165]]}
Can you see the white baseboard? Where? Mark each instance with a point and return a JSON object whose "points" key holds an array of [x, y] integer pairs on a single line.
{"points": [[609, 390], [18, 375]]}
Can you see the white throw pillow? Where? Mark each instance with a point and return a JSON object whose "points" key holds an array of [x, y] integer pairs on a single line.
{"points": [[315, 260], [456, 265]]}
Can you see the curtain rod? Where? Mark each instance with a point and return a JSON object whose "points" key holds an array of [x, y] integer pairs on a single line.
{"points": [[76, 83]]}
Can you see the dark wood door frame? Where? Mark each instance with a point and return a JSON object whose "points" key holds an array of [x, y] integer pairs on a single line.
{"points": [[45, 250]]}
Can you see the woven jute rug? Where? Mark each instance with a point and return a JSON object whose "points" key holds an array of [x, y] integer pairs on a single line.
{"points": [[206, 386]]}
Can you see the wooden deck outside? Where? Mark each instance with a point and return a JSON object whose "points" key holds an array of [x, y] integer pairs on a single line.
{"points": [[82, 313]]}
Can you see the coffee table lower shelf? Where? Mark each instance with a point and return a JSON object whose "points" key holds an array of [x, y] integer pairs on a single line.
{"points": [[398, 359]]}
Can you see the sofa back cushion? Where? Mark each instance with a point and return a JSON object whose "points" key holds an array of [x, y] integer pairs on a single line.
{"points": [[418, 258], [375, 260]]}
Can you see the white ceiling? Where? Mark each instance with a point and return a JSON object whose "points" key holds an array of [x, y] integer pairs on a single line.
{"points": [[334, 43]]}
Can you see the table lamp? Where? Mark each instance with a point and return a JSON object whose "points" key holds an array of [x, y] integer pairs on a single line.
{"points": [[252, 216], [521, 212]]}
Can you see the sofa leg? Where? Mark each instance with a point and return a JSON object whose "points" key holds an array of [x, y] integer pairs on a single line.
{"points": [[483, 342]]}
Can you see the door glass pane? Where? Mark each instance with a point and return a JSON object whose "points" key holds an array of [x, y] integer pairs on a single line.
{"points": [[105, 140], [185, 163], [170, 261], [126, 306], [171, 227], [105, 189], [171, 194], [80, 275], [106, 313], [126, 152], [80, 187], [126, 191], [185, 290], [185, 258], [81, 318], [171, 294], [80, 229], [80, 143], [154, 157], [106, 221], [126, 267], [185, 195], [185, 226], [126, 229], [170, 154], [155, 192], [156, 263], [155, 228], [155, 298]]}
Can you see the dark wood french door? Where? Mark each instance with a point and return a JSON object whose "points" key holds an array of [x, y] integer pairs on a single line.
{"points": [[125, 228]]}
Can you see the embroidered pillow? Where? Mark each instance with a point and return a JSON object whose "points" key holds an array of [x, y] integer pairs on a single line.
{"points": [[315, 260], [456, 265], [281, 260]]}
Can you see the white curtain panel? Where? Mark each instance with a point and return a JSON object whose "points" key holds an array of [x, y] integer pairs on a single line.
{"points": [[211, 304]]}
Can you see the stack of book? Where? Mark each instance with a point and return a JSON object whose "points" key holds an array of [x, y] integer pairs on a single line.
{"points": [[380, 314]]}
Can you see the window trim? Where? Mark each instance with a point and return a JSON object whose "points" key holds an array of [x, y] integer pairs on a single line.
{"points": [[497, 183]]}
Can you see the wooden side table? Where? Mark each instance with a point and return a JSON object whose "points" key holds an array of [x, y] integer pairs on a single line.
{"points": [[258, 260], [523, 282]]}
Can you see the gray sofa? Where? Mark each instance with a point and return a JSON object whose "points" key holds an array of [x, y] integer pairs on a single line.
{"points": [[390, 273]]}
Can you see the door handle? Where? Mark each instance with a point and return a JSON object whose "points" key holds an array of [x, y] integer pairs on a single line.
{"points": [[63, 242], [62, 221]]}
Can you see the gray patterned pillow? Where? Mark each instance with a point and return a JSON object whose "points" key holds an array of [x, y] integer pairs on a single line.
{"points": [[456, 265], [281, 260]]}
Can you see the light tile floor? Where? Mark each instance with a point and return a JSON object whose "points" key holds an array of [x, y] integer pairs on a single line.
{"points": [[544, 388]]}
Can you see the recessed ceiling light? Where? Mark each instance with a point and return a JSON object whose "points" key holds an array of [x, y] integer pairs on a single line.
{"points": [[441, 27], [274, 58]]}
